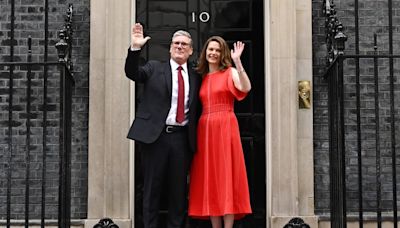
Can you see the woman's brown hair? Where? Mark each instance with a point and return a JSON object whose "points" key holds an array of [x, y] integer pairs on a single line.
{"points": [[225, 60]]}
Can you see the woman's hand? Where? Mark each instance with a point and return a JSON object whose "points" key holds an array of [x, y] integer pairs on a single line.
{"points": [[240, 78], [238, 48]]}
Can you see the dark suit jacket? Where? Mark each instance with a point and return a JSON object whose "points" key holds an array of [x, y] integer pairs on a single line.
{"points": [[155, 102]]}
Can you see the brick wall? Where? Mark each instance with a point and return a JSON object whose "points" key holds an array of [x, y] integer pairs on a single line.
{"points": [[373, 18], [29, 21]]}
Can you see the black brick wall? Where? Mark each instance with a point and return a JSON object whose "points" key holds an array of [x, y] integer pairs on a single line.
{"points": [[373, 18], [29, 21]]}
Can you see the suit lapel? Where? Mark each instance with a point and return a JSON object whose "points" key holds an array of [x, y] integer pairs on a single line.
{"points": [[192, 84], [168, 77]]}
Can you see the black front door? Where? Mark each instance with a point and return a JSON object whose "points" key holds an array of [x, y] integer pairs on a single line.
{"points": [[233, 20]]}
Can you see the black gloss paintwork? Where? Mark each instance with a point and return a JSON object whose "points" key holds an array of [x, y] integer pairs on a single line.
{"points": [[233, 20]]}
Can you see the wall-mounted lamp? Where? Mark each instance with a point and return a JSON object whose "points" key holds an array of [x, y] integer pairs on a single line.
{"points": [[304, 90]]}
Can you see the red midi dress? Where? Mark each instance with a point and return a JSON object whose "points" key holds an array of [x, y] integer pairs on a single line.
{"points": [[218, 179]]}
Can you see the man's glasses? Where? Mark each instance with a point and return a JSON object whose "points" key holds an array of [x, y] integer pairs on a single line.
{"points": [[183, 44]]}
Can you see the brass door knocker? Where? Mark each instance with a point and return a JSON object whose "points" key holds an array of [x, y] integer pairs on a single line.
{"points": [[304, 88]]}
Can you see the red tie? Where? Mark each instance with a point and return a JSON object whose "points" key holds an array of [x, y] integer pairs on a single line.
{"points": [[180, 110]]}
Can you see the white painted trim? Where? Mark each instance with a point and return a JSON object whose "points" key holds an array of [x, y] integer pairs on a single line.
{"points": [[268, 95], [132, 143]]}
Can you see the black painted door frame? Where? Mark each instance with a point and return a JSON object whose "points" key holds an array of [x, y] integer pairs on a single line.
{"points": [[234, 20]]}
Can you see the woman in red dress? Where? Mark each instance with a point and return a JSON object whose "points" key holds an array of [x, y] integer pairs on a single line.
{"points": [[218, 180]]}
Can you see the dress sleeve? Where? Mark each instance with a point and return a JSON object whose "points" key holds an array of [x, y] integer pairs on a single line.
{"points": [[239, 95]]}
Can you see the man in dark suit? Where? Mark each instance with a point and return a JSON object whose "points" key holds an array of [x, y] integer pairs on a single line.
{"points": [[165, 123]]}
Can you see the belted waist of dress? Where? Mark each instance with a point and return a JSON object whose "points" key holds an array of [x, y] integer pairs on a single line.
{"points": [[217, 108]]}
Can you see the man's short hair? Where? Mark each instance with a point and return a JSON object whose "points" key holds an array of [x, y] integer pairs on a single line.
{"points": [[182, 33]]}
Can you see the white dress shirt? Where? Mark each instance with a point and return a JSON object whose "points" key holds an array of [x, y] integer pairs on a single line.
{"points": [[171, 118]]}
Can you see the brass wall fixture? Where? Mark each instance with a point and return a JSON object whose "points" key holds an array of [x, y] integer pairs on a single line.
{"points": [[304, 89]]}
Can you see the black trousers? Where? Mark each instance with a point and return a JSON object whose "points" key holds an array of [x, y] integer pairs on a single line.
{"points": [[166, 160]]}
